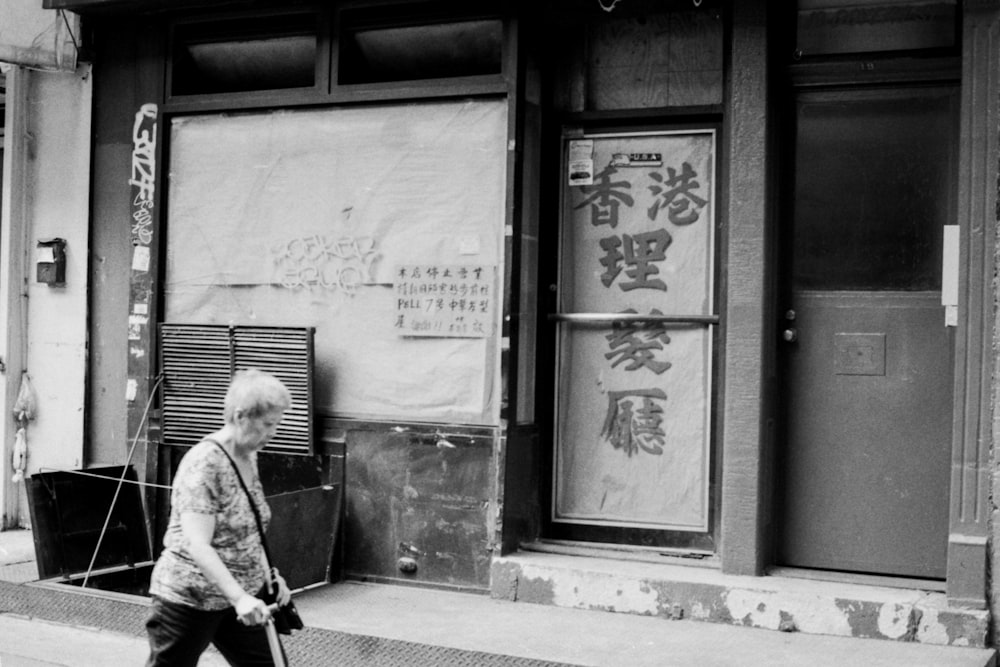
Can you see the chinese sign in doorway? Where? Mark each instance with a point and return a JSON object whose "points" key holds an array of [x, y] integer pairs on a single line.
{"points": [[635, 335]]}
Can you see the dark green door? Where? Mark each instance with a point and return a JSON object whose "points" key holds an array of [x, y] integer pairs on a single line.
{"points": [[867, 355]]}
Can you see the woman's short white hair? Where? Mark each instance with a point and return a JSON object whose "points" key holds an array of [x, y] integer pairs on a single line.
{"points": [[254, 393]]}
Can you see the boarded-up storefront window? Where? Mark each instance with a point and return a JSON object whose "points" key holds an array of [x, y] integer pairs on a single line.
{"points": [[318, 218]]}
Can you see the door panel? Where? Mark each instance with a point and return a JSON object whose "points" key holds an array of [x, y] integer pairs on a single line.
{"points": [[632, 441], [869, 425], [867, 358]]}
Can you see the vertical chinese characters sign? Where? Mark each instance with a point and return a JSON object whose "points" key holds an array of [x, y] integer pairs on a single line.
{"points": [[634, 395]]}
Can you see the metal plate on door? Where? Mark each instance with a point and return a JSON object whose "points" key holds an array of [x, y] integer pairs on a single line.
{"points": [[859, 354]]}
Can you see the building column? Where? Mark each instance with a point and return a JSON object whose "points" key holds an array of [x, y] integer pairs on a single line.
{"points": [[972, 434]]}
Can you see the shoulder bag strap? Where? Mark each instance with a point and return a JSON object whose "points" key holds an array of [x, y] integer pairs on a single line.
{"points": [[253, 505]]}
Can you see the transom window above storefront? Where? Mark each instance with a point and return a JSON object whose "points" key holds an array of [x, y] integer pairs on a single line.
{"points": [[377, 45], [318, 50], [843, 27], [237, 55]]}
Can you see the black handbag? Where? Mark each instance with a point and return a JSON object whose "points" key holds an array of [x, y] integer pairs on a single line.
{"points": [[286, 618]]}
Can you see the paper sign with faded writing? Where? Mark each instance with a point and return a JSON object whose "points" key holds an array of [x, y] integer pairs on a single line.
{"points": [[444, 300]]}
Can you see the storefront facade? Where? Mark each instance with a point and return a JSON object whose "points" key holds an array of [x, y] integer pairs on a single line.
{"points": [[698, 284]]}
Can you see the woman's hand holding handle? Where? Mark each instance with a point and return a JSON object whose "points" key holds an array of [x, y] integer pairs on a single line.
{"points": [[251, 610]]}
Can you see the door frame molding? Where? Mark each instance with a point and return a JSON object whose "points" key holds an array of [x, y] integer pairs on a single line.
{"points": [[972, 434]]}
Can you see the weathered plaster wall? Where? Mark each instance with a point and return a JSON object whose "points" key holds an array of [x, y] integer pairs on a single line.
{"points": [[46, 194], [58, 179]]}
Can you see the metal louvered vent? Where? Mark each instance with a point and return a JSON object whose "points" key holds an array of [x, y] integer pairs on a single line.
{"points": [[199, 360]]}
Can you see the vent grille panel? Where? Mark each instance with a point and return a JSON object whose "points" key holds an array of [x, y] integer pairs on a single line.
{"points": [[199, 360]]}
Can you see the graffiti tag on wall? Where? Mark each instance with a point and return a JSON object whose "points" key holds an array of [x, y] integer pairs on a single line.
{"points": [[142, 189], [319, 262], [143, 180]]}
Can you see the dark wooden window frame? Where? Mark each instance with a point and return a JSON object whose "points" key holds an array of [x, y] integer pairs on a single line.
{"points": [[219, 27], [327, 91]]}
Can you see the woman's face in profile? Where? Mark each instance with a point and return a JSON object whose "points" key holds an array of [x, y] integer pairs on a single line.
{"points": [[255, 432]]}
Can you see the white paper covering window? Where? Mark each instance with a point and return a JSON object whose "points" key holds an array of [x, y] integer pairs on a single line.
{"points": [[634, 398], [300, 218]]}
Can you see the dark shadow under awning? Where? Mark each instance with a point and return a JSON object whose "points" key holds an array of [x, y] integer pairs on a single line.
{"points": [[130, 6]]}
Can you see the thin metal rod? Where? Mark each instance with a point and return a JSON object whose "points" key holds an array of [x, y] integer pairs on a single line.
{"points": [[121, 480], [597, 318]]}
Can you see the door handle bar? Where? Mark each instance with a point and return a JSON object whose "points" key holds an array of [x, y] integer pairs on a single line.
{"points": [[604, 318]]}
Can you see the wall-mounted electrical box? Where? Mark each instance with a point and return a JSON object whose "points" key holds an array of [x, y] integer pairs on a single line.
{"points": [[50, 259]]}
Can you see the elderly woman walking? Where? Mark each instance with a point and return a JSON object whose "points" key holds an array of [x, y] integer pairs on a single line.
{"points": [[205, 582]]}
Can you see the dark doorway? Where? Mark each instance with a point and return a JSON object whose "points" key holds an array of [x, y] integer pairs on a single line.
{"points": [[867, 355]]}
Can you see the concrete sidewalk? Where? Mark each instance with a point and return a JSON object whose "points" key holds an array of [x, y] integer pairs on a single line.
{"points": [[34, 643], [370, 624], [17, 556], [356, 623]]}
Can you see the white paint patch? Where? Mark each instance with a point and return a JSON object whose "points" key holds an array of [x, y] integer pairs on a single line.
{"points": [[814, 607], [760, 608], [590, 590], [699, 612], [932, 631], [892, 620], [810, 613]]}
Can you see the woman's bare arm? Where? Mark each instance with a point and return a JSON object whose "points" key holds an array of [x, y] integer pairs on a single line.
{"points": [[198, 529]]}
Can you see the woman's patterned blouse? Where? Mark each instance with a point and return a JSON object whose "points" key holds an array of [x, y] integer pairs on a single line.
{"points": [[206, 482]]}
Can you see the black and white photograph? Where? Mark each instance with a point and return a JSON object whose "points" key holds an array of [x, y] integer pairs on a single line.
{"points": [[500, 333]]}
